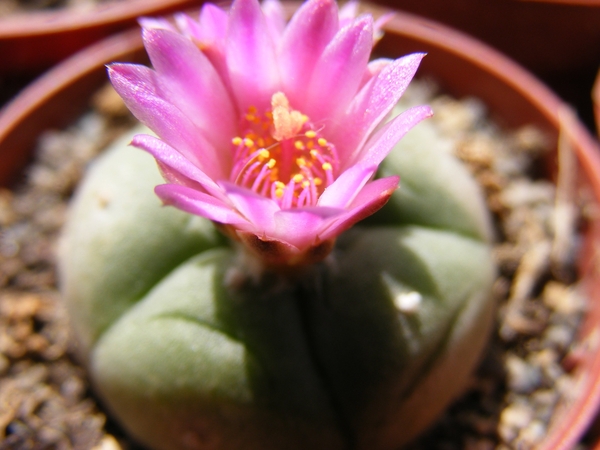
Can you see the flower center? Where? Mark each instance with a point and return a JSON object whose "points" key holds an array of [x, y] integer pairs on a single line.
{"points": [[281, 155]]}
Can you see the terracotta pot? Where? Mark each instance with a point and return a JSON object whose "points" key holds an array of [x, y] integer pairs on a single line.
{"points": [[546, 36], [462, 65], [32, 42]]}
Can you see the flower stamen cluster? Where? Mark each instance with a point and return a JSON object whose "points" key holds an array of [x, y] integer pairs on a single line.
{"points": [[282, 156]]}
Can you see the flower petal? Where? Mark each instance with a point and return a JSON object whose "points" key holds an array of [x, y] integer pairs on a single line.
{"points": [[155, 23], [343, 190], [138, 88], [348, 13], [300, 227], [198, 203], [180, 168], [311, 29], [258, 210], [340, 70], [250, 54], [188, 79], [373, 69], [368, 201], [213, 24], [381, 143], [275, 18], [373, 103]]}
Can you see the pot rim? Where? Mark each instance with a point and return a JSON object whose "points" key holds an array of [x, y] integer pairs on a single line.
{"points": [[45, 22], [54, 86]]}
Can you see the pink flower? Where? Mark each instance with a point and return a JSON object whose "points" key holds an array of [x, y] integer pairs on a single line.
{"points": [[272, 131]]}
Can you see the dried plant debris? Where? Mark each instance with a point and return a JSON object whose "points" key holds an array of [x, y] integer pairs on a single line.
{"points": [[45, 402]]}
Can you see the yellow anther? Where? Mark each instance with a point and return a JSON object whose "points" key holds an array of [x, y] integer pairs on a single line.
{"points": [[301, 162], [317, 181], [327, 166], [271, 163], [237, 140], [299, 145], [279, 189], [298, 178], [263, 153], [322, 142], [248, 142], [305, 183], [310, 134], [314, 153]]}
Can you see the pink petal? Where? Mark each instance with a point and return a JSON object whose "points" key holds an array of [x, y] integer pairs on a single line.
{"points": [[198, 203], [368, 201], [373, 103], [210, 34], [137, 86], [381, 143], [250, 54], [189, 27], [179, 168], [343, 190], [373, 69], [300, 227], [258, 210], [275, 18], [188, 79], [157, 23], [339, 70], [311, 29], [348, 13], [213, 24]]}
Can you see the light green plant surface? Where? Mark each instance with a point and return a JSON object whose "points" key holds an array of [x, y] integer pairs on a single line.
{"points": [[190, 353]]}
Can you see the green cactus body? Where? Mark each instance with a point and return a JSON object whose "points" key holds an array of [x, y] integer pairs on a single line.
{"points": [[189, 351]]}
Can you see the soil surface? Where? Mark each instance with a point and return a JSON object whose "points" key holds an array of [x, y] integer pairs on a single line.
{"points": [[45, 399]]}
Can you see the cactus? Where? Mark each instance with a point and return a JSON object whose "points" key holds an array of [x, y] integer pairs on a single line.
{"points": [[190, 348]]}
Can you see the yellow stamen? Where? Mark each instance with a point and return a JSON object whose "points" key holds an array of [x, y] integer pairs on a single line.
{"points": [[248, 142], [301, 162], [327, 166], [236, 141], [299, 145], [305, 183], [271, 163], [322, 142], [311, 134], [264, 153], [298, 178], [317, 181]]}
